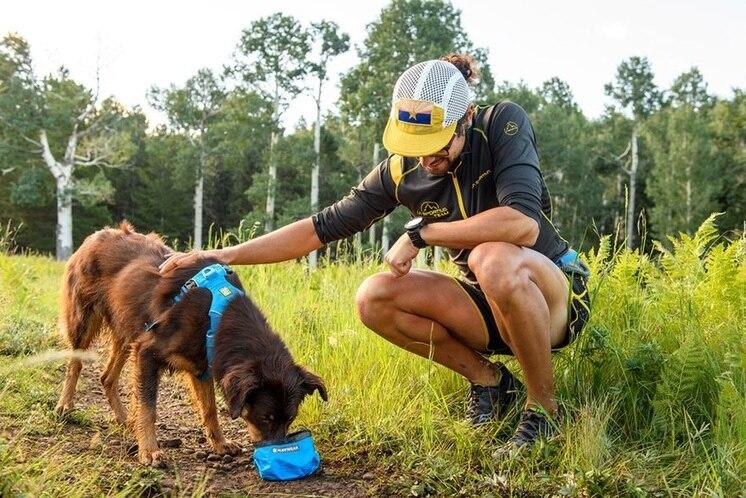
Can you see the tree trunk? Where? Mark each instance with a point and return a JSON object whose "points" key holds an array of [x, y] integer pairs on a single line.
{"points": [[64, 242], [632, 190], [313, 257], [63, 176], [385, 236], [437, 256], [357, 239], [199, 195], [372, 229], [272, 180]]}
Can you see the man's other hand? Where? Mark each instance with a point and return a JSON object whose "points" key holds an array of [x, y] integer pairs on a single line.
{"points": [[400, 256]]}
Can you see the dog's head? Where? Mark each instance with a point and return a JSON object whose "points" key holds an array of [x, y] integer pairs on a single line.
{"points": [[267, 395]]}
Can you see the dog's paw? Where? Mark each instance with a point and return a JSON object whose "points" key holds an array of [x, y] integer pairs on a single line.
{"points": [[63, 409], [227, 448], [154, 458]]}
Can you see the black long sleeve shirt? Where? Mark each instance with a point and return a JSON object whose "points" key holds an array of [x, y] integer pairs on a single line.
{"points": [[499, 166]]}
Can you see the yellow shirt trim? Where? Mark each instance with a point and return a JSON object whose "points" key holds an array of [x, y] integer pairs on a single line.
{"points": [[395, 166]]}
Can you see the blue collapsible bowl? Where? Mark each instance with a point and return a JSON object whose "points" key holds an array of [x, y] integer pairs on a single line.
{"points": [[293, 457]]}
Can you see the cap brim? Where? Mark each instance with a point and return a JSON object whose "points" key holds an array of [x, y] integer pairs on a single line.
{"points": [[397, 141]]}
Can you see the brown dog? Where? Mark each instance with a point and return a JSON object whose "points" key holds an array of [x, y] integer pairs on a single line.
{"points": [[112, 283]]}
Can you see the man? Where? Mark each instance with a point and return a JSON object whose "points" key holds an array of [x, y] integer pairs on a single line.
{"points": [[471, 179]]}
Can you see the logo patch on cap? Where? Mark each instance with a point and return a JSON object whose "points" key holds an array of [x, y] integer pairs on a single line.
{"points": [[421, 118], [415, 112]]}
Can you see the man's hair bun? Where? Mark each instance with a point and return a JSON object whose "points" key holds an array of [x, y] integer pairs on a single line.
{"points": [[465, 63]]}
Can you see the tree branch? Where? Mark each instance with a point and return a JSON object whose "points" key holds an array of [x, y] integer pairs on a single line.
{"points": [[626, 151], [49, 159], [20, 133]]}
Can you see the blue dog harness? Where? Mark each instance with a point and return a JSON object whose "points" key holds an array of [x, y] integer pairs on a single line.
{"points": [[212, 278]]}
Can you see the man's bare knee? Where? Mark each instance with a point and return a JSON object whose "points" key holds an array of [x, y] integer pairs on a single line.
{"points": [[375, 297], [501, 270]]}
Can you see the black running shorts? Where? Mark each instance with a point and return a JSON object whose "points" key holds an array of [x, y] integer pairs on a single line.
{"points": [[578, 311]]}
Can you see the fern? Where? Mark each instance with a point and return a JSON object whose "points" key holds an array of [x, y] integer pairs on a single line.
{"points": [[687, 393]]}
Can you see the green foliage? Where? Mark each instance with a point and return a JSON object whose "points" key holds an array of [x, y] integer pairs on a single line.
{"points": [[271, 56], [690, 89], [684, 180], [634, 88], [691, 147], [295, 157]]}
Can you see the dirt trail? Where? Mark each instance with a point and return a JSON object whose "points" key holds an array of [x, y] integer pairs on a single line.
{"points": [[190, 459]]}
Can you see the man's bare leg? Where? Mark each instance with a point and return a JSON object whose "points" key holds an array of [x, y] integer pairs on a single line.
{"points": [[429, 314], [529, 296]]}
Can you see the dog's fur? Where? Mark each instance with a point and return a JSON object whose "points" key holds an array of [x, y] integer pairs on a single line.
{"points": [[112, 284]]}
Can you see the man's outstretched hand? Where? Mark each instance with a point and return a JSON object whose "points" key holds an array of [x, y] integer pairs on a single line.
{"points": [[400, 256], [180, 259]]}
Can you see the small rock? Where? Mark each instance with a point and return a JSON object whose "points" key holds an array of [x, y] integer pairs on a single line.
{"points": [[228, 459], [226, 467], [202, 440], [369, 476], [200, 454], [212, 457], [167, 483], [171, 443]]}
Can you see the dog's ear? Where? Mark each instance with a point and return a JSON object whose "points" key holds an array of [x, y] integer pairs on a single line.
{"points": [[311, 383], [238, 383]]}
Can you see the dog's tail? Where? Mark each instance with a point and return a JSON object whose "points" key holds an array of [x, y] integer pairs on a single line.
{"points": [[79, 320]]}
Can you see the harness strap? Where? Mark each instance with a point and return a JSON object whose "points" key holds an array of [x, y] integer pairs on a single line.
{"points": [[212, 278]]}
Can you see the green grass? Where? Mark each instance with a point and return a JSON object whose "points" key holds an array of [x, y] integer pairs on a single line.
{"points": [[656, 384]]}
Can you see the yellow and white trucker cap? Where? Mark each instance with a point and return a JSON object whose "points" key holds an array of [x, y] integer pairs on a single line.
{"points": [[429, 99]]}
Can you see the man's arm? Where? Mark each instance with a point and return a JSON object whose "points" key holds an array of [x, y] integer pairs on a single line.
{"points": [[289, 242], [502, 223], [371, 200]]}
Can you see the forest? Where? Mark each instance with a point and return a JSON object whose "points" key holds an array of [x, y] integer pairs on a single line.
{"points": [[658, 161]]}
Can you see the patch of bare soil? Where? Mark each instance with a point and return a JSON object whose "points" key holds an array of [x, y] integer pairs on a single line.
{"points": [[191, 464]]}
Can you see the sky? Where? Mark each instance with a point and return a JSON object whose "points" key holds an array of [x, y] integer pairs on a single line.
{"points": [[137, 44]]}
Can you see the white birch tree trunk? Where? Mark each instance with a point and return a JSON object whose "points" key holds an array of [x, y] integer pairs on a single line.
{"points": [[272, 180], [63, 176], [357, 239], [64, 231], [199, 194], [631, 236], [372, 229], [313, 257], [437, 256], [385, 244]]}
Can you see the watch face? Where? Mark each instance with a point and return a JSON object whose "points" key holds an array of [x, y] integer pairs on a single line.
{"points": [[413, 223]]}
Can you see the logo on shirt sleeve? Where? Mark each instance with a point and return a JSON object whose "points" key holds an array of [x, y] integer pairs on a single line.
{"points": [[511, 128]]}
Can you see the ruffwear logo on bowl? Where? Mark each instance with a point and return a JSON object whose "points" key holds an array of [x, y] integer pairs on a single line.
{"points": [[286, 450]]}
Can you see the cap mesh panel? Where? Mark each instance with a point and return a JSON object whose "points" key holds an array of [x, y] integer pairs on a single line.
{"points": [[433, 88]]}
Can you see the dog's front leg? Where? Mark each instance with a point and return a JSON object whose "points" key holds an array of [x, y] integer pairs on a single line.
{"points": [[145, 376], [203, 395]]}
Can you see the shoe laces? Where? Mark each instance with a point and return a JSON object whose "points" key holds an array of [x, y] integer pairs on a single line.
{"points": [[533, 424], [480, 399]]}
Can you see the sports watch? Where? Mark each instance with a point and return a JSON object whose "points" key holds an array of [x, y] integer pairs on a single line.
{"points": [[413, 227]]}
